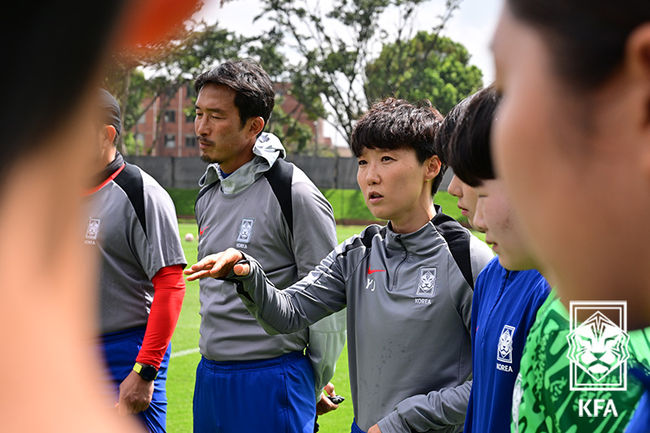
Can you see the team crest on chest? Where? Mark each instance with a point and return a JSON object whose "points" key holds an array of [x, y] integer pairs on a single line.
{"points": [[245, 232], [504, 349], [427, 282], [92, 231]]}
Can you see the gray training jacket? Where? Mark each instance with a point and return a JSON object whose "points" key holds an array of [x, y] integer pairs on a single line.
{"points": [[409, 310], [242, 211], [132, 224]]}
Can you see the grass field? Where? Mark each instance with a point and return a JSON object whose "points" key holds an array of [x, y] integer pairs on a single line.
{"points": [[348, 204], [185, 355]]}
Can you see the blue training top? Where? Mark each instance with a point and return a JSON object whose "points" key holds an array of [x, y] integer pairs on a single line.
{"points": [[640, 422], [504, 308]]}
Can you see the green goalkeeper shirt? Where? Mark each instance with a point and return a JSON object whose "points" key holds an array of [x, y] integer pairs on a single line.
{"points": [[542, 400]]}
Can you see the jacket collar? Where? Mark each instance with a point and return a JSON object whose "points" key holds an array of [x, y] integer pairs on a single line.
{"points": [[267, 149], [108, 171], [423, 241]]}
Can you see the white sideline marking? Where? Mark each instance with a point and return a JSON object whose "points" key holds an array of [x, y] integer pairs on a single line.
{"points": [[184, 352]]}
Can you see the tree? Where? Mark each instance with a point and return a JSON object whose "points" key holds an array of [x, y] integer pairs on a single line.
{"points": [[170, 66], [333, 47], [295, 136], [428, 66], [178, 64]]}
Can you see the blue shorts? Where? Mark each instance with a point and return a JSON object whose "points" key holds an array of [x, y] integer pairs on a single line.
{"points": [[120, 349], [355, 428], [269, 395]]}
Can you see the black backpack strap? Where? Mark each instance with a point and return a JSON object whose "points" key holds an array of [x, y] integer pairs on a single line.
{"points": [[280, 176], [458, 239], [130, 180], [365, 240]]}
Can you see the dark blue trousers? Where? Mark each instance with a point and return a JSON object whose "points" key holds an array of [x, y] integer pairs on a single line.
{"points": [[270, 395], [120, 350]]}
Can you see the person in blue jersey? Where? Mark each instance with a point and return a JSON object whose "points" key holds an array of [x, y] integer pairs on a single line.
{"points": [[465, 194], [572, 144], [508, 291]]}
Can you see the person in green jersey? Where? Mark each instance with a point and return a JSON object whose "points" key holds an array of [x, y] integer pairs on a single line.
{"points": [[571, 140], [542, 400]]}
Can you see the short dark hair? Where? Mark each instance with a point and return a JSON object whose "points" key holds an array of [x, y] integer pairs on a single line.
{"points": [[396, 124], [254, 94], [446, 130], [467, 149], [111, 113], [586, 37]]}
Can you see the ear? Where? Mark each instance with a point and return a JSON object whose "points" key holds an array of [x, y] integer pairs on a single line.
{"points": [[255, 125], [637, 64], [432, 167], [637, 68], [109, 134]]}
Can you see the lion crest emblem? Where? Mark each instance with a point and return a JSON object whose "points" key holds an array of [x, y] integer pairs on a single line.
{"points": [[598, 346], [427, 282], [504, 349], [245, 230]]}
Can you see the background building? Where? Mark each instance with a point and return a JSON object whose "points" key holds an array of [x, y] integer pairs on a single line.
{"points": [[167, 126]]}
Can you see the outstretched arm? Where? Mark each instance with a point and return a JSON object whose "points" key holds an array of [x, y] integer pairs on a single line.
{"points": [[319, 294]]}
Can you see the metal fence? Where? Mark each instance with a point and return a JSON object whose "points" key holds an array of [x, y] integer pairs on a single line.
{"points": [[184, 172]]}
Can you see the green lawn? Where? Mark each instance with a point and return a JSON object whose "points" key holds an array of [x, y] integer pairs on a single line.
{"points": [[180, 381], [348, 204], [185, 356]]}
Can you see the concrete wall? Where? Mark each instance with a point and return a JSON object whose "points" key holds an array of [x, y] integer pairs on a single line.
{"points": [[183, 172], [171, 171]]}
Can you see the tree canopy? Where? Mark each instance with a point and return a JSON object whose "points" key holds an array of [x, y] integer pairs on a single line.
{"points": [[169, 67], [335, 62], [331, 48], [332, 68], [428, 66]]}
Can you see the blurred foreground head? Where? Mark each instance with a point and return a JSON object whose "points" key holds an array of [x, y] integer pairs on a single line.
{"points": [[572, 141], [53, 60]]}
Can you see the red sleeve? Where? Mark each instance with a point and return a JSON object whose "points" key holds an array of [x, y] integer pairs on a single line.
{"points": [[169, 290]]}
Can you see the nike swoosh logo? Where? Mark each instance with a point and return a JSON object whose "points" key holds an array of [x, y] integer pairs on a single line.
{"points": [[204, 229], [372, 271]]}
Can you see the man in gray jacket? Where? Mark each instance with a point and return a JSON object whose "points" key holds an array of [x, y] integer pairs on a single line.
{"points": [[254, 200]]}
